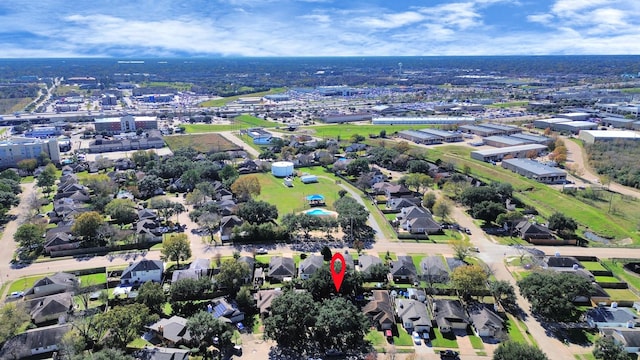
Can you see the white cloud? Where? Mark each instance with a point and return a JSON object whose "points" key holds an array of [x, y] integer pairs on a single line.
{"points": [[390, 21], [544, 19]]}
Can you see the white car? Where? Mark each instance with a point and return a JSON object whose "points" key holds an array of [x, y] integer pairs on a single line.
{"points": [[16, 295], [262, 251], [416, 338]]}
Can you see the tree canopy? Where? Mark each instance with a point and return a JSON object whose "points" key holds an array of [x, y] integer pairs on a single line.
{"points": [[152, 295], [123, 324], [87, 224], [176, 247], [511, 350], [245, 187], [232, 274], [121, 211], [606, 348], [468, 278], [258, 212]]}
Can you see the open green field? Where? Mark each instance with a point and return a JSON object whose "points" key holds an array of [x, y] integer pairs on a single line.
{"points": [[293, 199], [622, 295], [8, 106], [238, 123], [65, 89], [345, 131], [180, 86], [546, 200], [225, 101], [204, 143], [635, 90], [509, 104]]}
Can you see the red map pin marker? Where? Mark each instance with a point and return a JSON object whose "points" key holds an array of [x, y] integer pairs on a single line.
{"points": [[337, 276]]}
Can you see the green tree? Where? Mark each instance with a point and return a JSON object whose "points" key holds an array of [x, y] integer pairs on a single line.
{"points": [[189, 289], [429, 200], [176, 247], [246, 186], [460, 248], [150, 185], [341, 325], [504, 294], [232, 274], [564, 225], [28, 165], [606, 348], [123, 324], [105, 354], [326, 253], [87, 225], [47, 178], [358, 167], [209, 221], [475, 195], [356, 138], [204, 328], [442, 208], [12, 318], [320, 285], [121, 211], [228, 174], [418, 181], [293, 316], [511, 350], [469, 278], [377, 272], [487, 211], [141, 157], [551, 294], [258, 212], [29, 236], [152, 295]]}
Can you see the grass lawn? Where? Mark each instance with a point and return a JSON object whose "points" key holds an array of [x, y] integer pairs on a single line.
{"points": [[166, 309], [417, 258], [476, 342], [593, 266], [621, 295], [383, 255], [139, 343], [508, 104], [345, 131], [203, 143], [25, 283], [514, 332], [606, 279], [440, 341], [375, 337], [257, 325], [226, 100], [263, 259], [293, 199], [93, 279], [615, 266], [403, 338]]}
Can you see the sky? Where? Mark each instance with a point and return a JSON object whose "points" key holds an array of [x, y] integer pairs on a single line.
{"points": [[250, 28]]}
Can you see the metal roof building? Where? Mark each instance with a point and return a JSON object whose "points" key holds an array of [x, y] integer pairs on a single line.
{"points": [[506, 129], [515, 151], [504, 141], [546, 123], [535, 170], [480, 130], [446, 120], [574, 127], [447, 136], [618, 122], [419, 137], [535, 139], [592, 136]]}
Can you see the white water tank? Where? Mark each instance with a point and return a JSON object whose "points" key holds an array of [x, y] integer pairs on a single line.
{"points": [[282, 168]]}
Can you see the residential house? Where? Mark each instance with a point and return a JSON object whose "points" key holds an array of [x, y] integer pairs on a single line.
{"points": [[309, 266], [397, 204], [124, 164], [147, 230], [558, 261], [355, 148], [414, 315], [531, 231], [162, 353], [348, 259], [33, 342], [380, 188], [434, 270], [197, 269], [611, 316], [281, 268], [172, 331], [225, 311], [403, 269], [227, 207], [628, 338], [144, 214], [366, 262], [422, 225], [264, 298], [227, 223], [251, 263], [52, 284], [450, 315], [49, 308], [60, 238], [486, 322], [397, 191], [142, 271], [380, 310]]}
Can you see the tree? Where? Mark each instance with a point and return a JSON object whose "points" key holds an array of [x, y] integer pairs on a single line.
{"points": [[356, 138], [487, 211], [377, 272], [121, 211], [341, 326], [460, 248], [47, 178], [106, 354], [232, 274], [72, 344], [258, 212], [150, 185], [442, 208], [293, 316], [469, 278], [504, 294], [152, 295], [475, 195], [418, 181], [29, 236], [428, 200], [326, 253], [203, 327], [358, 167], [123, 324], [551, 294], [189, 289], [87, 225], [511, 350], [246, 186], [176, 247], [320, 285], [228, 174], [209, 221], [564, 225], [28, 165], [606, 348], [12, 318], [141, 157]]}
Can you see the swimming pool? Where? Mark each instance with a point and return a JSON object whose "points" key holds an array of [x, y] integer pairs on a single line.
{"points": [[319, 212]]}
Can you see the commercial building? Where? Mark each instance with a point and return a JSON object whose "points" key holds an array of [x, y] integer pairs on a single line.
{"points": [[446, 136], [127, 123], [505, 129], [575, 116], [592, 136], [446, 120], [16, 149], [534, 170], [618, 122], [154, 141], [574, 127], [519, 151], [533, 139], [480, 130], [504, 141], [419, 137], [547, 123], [43, 132], [343, 118]]}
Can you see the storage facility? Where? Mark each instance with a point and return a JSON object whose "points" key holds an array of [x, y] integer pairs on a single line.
{"points": [[344, 118], [519, 151], [574, 127], [504, 141], [575, 116], [308, 179], [447, 120], [446, 136], [505, 129], [533, 139], [534, 170], [419, 137], [592, 136], [480, 130], [617, 122], [546, 123]]}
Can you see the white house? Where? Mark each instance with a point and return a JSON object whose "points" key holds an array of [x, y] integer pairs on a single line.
{"points": [[414, 315], [142, 271]]}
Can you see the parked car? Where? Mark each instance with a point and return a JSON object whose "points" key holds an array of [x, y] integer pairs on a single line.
{"points": [[261, 251], [416, 338], [449, 355], [16, 295]]}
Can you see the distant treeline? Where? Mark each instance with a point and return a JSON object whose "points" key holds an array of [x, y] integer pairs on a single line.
{"points": [[18, 91], [616, 159]]}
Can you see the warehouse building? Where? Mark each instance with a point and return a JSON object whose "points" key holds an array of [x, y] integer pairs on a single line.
{"points": [[574, 127], [344, 118], [505, 129], [534, 170], [500, 141], [617, 122], [592, 136], [480, 130], [419, 137], [533, 139], [447, 120], [16, 149], [547, 123], [127, 123], [446, 136], [519, 151], [575, 116]]}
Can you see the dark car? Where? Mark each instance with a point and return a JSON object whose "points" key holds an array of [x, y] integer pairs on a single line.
{"points": [[449, 355]]}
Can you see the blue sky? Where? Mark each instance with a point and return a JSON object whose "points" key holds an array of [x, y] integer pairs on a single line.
{"points": [[209, 28]]}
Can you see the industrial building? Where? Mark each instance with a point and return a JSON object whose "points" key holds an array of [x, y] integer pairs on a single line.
{"points": [[419, 137], [546, 123], [505, 129], [534, 170], [575, 116], [127, 123], [16, 149], [592, 136], [519, 151], [446, 120], [480, 130], [154, 141], [500, 141], [574, 127], [533, 139], [446, 136], [343, 118], [618, 122]]}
